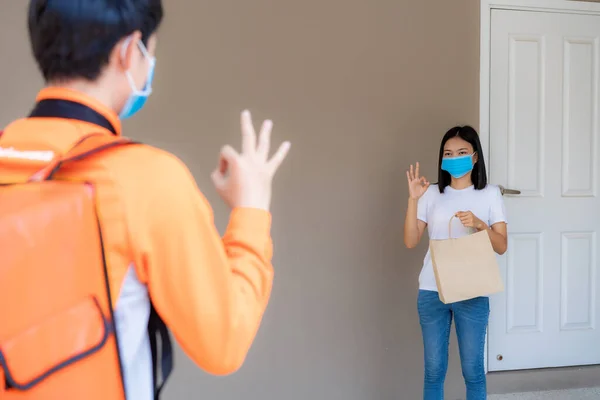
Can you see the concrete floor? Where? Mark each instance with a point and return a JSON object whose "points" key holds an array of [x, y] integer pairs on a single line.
{"points": [[552, 379], [573, 383], [569, 394]]}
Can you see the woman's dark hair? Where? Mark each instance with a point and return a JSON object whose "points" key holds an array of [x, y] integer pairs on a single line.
{"points": [[478, 175]]}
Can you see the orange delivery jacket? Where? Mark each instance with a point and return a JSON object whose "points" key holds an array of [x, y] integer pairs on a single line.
{"points": [[106, 243]]}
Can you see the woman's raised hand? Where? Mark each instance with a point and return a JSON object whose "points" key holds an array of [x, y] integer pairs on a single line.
{"points": [[417, 185]]}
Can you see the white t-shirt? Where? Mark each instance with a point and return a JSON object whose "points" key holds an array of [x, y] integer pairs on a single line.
{"points": [[436, 209]]}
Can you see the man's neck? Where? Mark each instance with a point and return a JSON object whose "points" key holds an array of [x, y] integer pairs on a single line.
{"points": [[91, 89]]}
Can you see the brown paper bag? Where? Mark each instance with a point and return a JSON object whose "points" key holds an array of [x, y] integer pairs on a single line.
{"points": [[466, 267]]}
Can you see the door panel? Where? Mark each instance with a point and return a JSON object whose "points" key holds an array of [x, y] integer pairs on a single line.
{"points": [[544, 142]]}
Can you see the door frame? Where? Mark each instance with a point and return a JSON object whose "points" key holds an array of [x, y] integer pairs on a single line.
{"points": [[551, 6]]}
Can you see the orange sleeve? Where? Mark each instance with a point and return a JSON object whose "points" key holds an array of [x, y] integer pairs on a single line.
{"points": [[210, 291]]}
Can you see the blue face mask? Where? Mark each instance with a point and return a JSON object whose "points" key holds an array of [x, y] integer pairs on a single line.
{"points": [[137, 98], [458, 166]]}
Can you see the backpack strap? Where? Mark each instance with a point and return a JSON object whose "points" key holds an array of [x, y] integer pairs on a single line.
{"points": [[35, 158], [157, 329], [86, 146]]}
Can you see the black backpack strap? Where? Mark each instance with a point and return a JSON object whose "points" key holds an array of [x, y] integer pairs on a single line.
{"points": [[157, 329]]}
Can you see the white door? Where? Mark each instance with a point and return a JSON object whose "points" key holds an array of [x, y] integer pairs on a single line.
{"points": [[544, 142]]}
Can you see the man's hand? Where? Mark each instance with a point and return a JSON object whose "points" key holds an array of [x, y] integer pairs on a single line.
{"points": [[244, 180]]}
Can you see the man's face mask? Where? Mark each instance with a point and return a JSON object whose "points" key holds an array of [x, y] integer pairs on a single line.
{"points": [[137, 98]]}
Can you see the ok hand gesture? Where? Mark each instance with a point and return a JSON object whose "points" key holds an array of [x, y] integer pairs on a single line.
{"points": [[417, 185], [244, 179]]}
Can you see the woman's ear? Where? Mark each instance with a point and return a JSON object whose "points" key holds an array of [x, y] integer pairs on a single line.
{"points": [[475, 158]]}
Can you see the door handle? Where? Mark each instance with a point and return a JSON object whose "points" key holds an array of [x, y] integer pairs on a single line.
{"points": [[504, 191]]}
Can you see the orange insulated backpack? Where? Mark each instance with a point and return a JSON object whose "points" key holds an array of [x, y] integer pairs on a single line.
{"points": [[57, 333]]}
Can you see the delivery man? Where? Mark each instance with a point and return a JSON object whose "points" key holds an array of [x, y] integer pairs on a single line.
{"points": [[165, 261]]}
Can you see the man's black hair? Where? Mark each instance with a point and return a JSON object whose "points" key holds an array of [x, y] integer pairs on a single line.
{"points": [[478, 175], [73, 39]]}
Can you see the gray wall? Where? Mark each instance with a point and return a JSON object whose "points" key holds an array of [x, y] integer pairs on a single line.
{"points": [[362, 88]]}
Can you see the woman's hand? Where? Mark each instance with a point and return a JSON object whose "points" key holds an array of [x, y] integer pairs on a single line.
{"points": [[496, 232], [417, 185], [469, 220], [413, 227]]}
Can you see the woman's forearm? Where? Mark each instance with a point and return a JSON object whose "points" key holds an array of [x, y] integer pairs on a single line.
{"points": [[411, 225], [499, 243]]}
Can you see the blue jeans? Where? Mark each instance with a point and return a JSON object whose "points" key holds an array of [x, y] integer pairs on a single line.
{"points": [[471, 319]]}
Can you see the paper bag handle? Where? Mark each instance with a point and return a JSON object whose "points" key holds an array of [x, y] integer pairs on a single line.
{"points": [[450, 227]]}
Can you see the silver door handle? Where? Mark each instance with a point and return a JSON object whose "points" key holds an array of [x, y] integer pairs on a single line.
{"points": [[504, 191]]}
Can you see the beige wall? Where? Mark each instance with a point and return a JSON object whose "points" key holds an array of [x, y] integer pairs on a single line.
{"points": [[361, 88]]}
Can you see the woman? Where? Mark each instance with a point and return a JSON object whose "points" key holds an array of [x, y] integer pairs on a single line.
{"points": [[461, 191]]}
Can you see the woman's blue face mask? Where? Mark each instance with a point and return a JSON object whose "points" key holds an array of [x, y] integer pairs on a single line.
{"points": [[459, 166]]}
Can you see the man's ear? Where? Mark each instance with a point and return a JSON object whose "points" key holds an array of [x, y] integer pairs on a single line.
{"points": [[125, 50]]}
